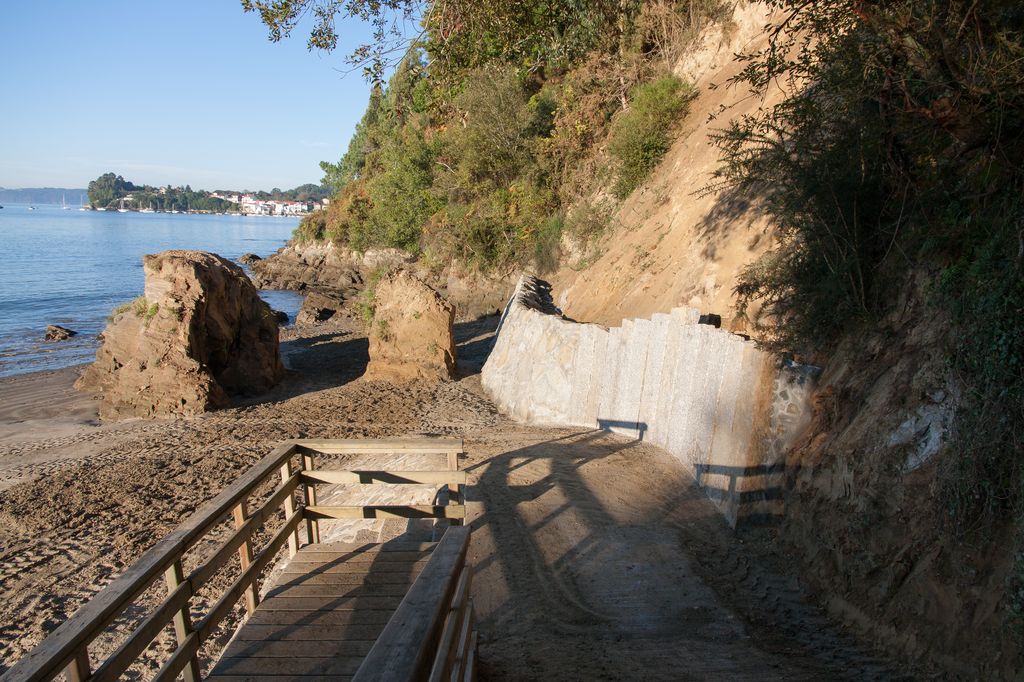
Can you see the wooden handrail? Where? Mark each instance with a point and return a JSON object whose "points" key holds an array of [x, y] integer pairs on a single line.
{"points": [[66, 648], [428, 445], [407, 647], [386, 511], [335, 477], [65, 645]]}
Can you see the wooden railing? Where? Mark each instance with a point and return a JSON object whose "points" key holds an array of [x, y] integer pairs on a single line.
{"points": [[432, 635], [66, 649]]}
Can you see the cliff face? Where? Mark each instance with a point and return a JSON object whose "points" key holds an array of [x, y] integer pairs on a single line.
{"points": [[670, 244]]}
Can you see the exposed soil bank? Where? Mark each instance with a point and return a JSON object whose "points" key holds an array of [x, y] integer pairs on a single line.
{"points": [[596, 556]]}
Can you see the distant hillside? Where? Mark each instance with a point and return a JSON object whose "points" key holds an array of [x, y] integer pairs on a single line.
{"points": [[43, 195]]}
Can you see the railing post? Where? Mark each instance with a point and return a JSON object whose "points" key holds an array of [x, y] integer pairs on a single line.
{"points": [[289, 509], [252, 593], [309, 492], [174, 576], [78, 669], [454, 491]]}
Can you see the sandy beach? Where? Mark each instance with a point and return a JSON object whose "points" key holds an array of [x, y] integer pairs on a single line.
{"points": [[596, 557]]}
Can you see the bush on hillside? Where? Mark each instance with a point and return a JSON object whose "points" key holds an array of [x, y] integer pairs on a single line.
{"points": [[906, 155], [641, 135]]}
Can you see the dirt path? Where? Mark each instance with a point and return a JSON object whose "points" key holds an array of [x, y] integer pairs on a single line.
{"points": [[595, 556]]}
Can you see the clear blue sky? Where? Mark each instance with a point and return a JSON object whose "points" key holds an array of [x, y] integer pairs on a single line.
{"points": [[167, 92]]}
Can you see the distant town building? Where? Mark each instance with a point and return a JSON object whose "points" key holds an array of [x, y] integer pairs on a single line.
{"points": [[250, 205]]}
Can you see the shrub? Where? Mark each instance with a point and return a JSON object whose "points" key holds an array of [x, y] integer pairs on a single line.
{"points": [[641, 135], [151, 313], [312, 227], [904, 156]]}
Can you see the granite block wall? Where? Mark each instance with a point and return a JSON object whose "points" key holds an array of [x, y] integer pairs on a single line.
{"points": [[725, 409]]}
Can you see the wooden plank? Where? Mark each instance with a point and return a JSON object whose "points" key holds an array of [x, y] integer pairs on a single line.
{"points": [[386, 445], [453, 625], [387, 511], [309, 493], [174, 576], [179, 660], [208, 568], [47, 659], [338, 477], [78, 669], [368, 548], [295, 649], [354, 567], [290, 667], [406, 648], [289, 510], [328, 558], [340, 590], [227, 600], [144, 634], [277, 678], [374, 578], [362, 626], [459, 670], [337, 603], [318, 618], [252, 595], [470, 675]]}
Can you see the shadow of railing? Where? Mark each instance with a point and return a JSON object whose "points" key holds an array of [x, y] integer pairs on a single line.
{"points": [[623, 427], [750, 494]]}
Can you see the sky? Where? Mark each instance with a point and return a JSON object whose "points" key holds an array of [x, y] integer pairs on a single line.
{"points": [[168, 92]]}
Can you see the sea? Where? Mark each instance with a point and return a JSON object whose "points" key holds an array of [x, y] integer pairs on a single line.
{"points": [[72, 267]]}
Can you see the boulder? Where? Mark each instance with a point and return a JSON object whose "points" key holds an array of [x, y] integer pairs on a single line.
{"points": [[55, 332], [411, 334], [317, 308], [281, 317], [199, 334], [248, 258]]}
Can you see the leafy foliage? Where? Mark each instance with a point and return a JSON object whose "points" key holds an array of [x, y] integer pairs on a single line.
{"points": [[108, 187], [910, 157], [492, 129], [642, 134]]}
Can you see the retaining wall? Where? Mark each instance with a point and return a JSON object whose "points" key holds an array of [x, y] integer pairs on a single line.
{"points": [[727, 410]]}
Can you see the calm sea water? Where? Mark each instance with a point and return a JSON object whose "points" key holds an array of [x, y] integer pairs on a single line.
{"points": [[73, 267]]}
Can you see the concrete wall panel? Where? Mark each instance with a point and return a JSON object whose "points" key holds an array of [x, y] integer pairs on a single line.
{"points": [[707, 396]]}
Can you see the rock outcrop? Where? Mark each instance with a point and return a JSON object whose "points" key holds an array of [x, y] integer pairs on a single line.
{"points": [[55, 332], [317, 308], [312, 267], [411, 336], [339, 273], [200, 334]]}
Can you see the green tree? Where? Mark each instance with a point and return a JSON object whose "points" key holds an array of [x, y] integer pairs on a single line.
{"points": [[108, 188]]}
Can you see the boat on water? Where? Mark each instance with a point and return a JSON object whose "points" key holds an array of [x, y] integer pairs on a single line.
{"points": [[31, 208]]}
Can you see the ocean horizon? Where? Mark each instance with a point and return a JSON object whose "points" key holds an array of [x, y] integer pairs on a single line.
{"points": [[72, 268]]}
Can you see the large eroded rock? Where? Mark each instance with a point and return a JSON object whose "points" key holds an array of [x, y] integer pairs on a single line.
{"points": [[411, 336], [199, 334]]}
